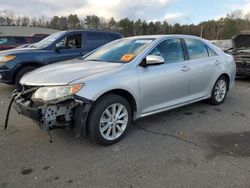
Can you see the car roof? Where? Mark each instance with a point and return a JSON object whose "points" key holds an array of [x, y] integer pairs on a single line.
{"points": [[12, 36], [89, 30], [163, 36], [22, 36]]}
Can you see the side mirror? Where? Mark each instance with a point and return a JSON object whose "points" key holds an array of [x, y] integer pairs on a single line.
{"points": [[152, 60], [59, 46]]}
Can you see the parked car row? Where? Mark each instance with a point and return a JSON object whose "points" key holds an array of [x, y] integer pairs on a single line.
{"points": [[10, 42], [103, 91]]}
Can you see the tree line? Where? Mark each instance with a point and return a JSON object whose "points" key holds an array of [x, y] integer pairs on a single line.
{"points": [[223, 28]]}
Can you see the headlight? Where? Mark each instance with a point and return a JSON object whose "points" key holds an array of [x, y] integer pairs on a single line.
{"points": [[6, 58], [56, 92]]}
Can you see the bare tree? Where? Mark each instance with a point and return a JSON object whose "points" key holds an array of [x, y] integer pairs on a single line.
{"points": [[237, 14]]}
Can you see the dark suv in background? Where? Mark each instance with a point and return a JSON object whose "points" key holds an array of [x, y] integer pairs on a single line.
{"points": [[60, 46], [9, 42]]}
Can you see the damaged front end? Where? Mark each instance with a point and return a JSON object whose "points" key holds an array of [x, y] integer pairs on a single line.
{"points": [[70, 111], [242, 64], [241, 53]]}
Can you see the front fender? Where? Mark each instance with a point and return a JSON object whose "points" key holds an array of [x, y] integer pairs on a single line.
{"points": [[94, 89]]}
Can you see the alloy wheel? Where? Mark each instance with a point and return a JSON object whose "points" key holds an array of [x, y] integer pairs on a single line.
{"points": [[113, 121], [220, 90]]}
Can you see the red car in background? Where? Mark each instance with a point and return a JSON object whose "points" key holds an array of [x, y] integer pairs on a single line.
{"points": [[9, 42]]}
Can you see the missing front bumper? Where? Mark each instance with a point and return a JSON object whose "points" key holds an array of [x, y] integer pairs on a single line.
{"points": [[24, 109], [48, 116], [72, 112]]}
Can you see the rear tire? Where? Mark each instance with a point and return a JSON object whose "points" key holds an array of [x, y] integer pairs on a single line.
{"points": [[20, 74], [219, 91], [109, 119]]}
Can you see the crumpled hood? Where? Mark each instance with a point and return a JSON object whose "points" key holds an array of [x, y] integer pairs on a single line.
{"points": [[241, 41], [65, 72]]}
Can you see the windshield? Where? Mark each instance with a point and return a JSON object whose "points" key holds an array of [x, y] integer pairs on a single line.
{"points": [[48, 40], [120, 51], [5, 40]]}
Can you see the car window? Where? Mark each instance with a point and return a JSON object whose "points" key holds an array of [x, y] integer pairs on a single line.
{"points": [[20, 40], [114, 36], [119, 51], [71, 42], [196, 49], [35, 39], [96, 36], [171, 50], [211, 53], [51, 39], [6, 41]]}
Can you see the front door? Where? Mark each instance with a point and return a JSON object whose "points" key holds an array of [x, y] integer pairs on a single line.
{"points": [[70, 47], [165, 85]]}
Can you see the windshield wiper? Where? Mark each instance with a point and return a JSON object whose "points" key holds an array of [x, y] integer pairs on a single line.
{"points": [[92, 60], [32, 46]]}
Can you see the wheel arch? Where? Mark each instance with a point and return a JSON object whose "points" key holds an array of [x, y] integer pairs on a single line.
{"points": [[123, 93], [23, 65], [227, 78]]}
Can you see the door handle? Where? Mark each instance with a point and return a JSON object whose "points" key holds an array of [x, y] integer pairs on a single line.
{"points": [[185, 68], [217, 62]]}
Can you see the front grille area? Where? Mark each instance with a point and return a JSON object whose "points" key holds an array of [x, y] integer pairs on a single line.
{"points": [[242, 59], [243, 65], [29, 90], [26, 93]]}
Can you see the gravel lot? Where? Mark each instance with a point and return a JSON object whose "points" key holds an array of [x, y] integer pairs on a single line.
{"points": [[194, 146]]}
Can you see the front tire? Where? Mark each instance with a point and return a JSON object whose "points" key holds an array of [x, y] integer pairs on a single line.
{"points": [[219, 91], [109, 119]]}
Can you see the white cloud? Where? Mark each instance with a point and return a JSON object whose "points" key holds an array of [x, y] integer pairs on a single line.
{"points": [[246, 8], [156, 10], [133, 9], [177, 17]]}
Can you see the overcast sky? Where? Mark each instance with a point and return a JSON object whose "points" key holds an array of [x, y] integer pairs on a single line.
{"points": [[182, 11]]}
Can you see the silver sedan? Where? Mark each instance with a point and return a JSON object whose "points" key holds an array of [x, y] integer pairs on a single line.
{"points": [[100, 94]]}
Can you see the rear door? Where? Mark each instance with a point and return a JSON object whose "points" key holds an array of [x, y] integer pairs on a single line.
{"points": [[203, 63], [95, 39], [165, 85]]}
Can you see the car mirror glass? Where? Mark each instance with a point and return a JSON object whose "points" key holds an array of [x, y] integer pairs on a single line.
{"points": [[59, 45], [154, 60]]}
